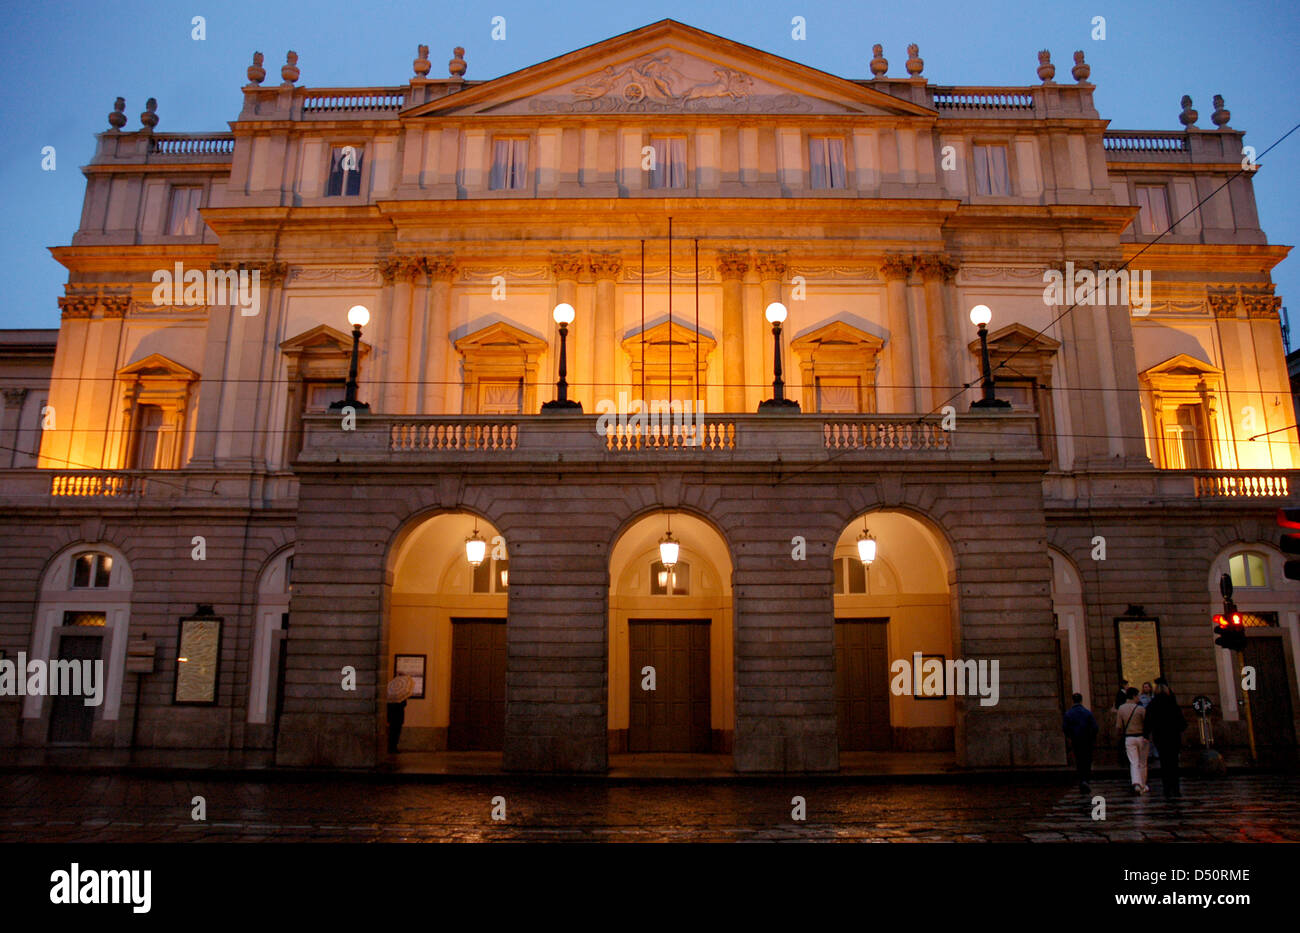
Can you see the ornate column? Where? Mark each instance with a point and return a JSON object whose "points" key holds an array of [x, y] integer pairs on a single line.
{"points": [[386, 365], [920, 334], [606, 268], [902, 377], [65, 379], [566, 267], [732, 267], [406, 348], [243, 379], [935, 272], [1109, 399], [771, 269], [437, 375]]}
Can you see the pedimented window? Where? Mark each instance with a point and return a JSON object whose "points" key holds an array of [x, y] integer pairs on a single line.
{"points": [[838, 363], [673, 362], [499, 370], [1183, 396], [156, 394], [317, 363], [1025, 377]]}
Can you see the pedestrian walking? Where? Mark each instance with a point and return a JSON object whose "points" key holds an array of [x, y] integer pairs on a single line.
{"points": [[1165, 724], [1153, 752], [1121, 695], [1130, 721], [1081, 732]]}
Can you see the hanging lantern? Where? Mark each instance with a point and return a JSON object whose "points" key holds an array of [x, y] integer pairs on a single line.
{"points": [[866, 547], [669, 548], [475, 548]]}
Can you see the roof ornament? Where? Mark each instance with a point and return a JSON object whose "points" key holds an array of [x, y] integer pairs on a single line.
{"points": [[256, 73], [879, 64], [289, 70], [1188, 116], [1220, 116], [150, 116], [1046, 70], [914, 60], [456, 67], [422, 63], [1081, 69], [117, 119]]}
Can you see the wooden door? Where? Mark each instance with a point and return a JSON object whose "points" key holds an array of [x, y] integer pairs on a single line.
{"points": [[676, 715], [71, 720], [1270, 702], [478, 685], [862, 684]]}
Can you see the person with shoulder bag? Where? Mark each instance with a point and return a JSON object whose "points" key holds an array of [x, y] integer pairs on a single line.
{"points": [[1130, 720]]}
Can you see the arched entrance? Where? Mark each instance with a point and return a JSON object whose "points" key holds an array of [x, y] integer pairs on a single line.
{"points": [[892, 615], [1071, 628], [446, 628], [671, 687]]}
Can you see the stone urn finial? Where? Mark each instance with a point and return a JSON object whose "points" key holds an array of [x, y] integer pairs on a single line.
{"points": [[1081, 69], [1220, 115], [456, 67], [289, 70], [117, 119], [914, 60], [1188, 116], [256, 73], [150, 116], [879, 64], [1046, 70], [422, 63]]}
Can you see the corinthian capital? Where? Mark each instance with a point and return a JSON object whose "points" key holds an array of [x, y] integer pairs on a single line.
{"points": [[566, 265], [605, 265], [770, 266], [897, 267], [733, 264], [440, 267], [934, 266]]}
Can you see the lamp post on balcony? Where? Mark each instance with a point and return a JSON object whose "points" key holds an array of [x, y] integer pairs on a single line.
{"points": [[980, 315], [778, 403], [563, 315], [358, 317]]}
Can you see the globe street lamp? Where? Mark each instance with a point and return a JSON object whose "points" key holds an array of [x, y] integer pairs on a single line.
{"points": [[980, 315], [358, 317], [778, 403], [563, 315]]}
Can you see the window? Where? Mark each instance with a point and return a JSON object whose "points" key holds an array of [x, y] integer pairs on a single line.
{"points": [[183, 214], [991, 170], [154, 437], [85, 619], [839, 394], [1248, 569], [345, 171], [850, 576], [1019, 392], [320, 395], [91, 570], [1183, 438], [501, 398], [1153, 209], [509, 164], [492, 576], [669, 169], [676, 582], [826, 162]]}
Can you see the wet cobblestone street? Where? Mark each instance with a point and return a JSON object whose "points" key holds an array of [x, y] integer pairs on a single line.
{"points": [[70, 807]]}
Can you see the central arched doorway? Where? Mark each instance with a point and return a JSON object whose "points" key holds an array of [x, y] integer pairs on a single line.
{"points": [[447, 629], [671, 687], [893, 614]]}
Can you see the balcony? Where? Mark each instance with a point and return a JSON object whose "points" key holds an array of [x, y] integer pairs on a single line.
{"points": [[533, 440], [133, 488], [1151, 487]]}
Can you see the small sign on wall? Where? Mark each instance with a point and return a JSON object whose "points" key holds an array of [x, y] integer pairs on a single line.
{"points": [[1138, 640], [412, 665]]}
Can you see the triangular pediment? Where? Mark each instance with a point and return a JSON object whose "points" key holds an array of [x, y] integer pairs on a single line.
{"points": [[835, 336], [157, 366], [500, 336], [669, 68], [1182, 365], [322, 339], [662, 335], [1017, 338]]}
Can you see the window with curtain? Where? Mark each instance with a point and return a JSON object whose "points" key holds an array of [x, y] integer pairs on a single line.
{"points": [[501, 398], [1153, 209], [154, 438], [991, 170], [669, 170], [345, 171], [509, 164], [1182, 439], [183, 213], [826, 162]]}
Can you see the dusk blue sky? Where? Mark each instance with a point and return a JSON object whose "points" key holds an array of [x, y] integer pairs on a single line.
{"points": [[65, 62]]}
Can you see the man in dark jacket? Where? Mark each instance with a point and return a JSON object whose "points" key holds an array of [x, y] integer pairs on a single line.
{"points": [[1165, 724], [1081, 732], [1121, 695]]}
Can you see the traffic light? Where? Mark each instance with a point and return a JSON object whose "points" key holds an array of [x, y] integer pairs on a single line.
{"points": [[1229, 628], [1289, 519]]}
